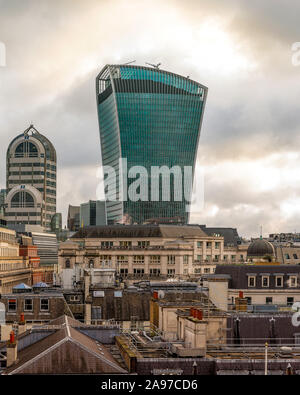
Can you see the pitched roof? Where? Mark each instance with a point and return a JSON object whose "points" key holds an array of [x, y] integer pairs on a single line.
{"points": [[65, 351], [231, 236], [239, 274], [133, 231]]}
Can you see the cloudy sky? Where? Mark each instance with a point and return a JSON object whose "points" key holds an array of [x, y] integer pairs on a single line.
{"points": [[241, 50]]}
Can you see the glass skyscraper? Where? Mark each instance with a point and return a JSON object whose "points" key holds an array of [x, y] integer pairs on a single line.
{"points": [[150, 117]]}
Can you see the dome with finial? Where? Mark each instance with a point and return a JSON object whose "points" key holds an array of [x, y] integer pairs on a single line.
{"points": [[260, 248]]}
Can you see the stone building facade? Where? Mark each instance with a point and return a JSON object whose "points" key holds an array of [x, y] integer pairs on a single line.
{"points": [[147, 250]]}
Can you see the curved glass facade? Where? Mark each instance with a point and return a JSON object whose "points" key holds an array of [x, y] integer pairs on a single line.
{"points": [[152, 118]]}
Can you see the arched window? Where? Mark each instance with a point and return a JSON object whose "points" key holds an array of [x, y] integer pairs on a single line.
{"points": [[68, 264], [26, 149], [22, 199]]}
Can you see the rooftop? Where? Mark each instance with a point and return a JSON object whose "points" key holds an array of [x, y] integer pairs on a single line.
{"points": [[139, 231]]}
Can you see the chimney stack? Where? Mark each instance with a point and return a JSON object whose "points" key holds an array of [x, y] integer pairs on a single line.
{"points": [[22, 324], [11, 350]]}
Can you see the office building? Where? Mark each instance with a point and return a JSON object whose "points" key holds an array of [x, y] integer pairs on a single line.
{"points": [[146, 251], [148, 117], [31, 180], [92, 213], [73, 222], [2, 202]]}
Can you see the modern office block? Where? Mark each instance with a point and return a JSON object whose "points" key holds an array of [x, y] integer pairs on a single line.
{"points": [[92, 213], [149, 117], [31, 180]]}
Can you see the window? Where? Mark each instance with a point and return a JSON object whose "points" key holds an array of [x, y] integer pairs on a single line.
{"points": [[207, 270], [107, 244], [265, 281], [125, 244], [293, 281], [44, 305], [233, 257], [295, 256], [171, 272], [279, 281], [208, 244], [249, 299], [12, 304], [251, 281], [67, 264], [124, 272], [171, 259], [155, 259], [290, 301], [22, 199], [28, 305], [105, 260], [217, 245], [143, 244], [122, 259], [197, 271], [154, 272], [74, 298], [269, 300], [185, 259], [138, 259], [199, 244], [138, 272], [287, 256]]}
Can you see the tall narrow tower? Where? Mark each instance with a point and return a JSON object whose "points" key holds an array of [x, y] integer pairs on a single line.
{"points": [[30, 180], [150, 117]]}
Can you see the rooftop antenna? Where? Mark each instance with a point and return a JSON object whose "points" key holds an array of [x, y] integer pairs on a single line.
{"points": [[156, 66], [130, 62]]}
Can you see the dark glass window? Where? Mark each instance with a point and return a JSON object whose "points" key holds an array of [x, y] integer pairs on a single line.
{"points": [[44, 304], [12, 304], [28, 305]]}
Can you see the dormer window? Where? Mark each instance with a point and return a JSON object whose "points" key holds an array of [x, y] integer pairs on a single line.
{"points": [[265, 281], [279, 281], [251, 281]]}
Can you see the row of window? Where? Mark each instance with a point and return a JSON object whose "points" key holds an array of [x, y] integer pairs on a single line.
{"points": [[217, 258], [287, 256], [206, 270], [265, 281], [269, 300], [28, 305], [146, 243], [34, 164], [137, 259], [209, 244], [7, 237], [32, 173], [140, 272]]}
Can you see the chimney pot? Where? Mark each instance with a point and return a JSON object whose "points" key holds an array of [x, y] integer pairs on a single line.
{"points": [[12, 337]]}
